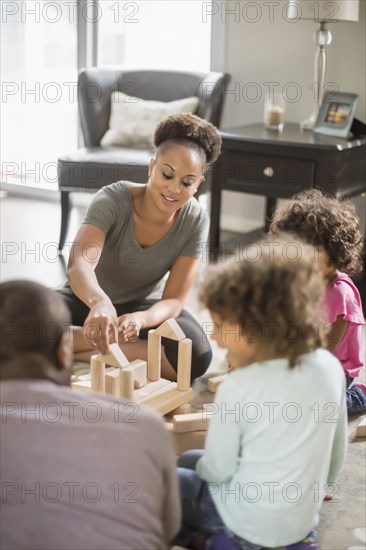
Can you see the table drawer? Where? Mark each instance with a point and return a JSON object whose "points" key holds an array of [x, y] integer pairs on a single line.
{"points": [[258, 174]]}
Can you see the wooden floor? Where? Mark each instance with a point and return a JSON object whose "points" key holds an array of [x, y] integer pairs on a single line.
{"points": [[30, 232], [29, 237]]}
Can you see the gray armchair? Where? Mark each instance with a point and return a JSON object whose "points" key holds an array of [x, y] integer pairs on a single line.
{"points": [[91, 167]]}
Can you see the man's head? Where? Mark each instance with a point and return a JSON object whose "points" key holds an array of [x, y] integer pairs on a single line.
{"points": [[35, 323]]}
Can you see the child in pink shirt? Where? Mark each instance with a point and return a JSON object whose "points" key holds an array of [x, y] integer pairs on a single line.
{"points": [[332, 227]]}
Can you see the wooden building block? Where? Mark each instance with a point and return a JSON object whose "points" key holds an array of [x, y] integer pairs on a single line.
{"points": [[192, 422], [170, 329], [139, 373], [84, 377], [167, 400], [81, 377], [97, 374], [126, 383], [184, 364], [158, 391], [153, 356], [151, 387], [82, 385], [186, 441], [191, 440], [112, 382], [186, 408], [361, 429], [214, 382], [116, 357]]}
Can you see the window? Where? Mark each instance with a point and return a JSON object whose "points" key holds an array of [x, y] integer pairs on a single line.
{"points": [[39, 102], [158, 34], [43, 44]]}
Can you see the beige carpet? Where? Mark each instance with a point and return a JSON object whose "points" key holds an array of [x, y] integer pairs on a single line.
{"points": [[342, 523]]}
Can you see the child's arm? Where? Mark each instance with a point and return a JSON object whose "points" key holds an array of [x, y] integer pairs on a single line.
{"points": [[222, 448], [335, 333]]}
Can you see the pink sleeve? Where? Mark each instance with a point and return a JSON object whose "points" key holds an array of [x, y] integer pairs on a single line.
{"points": [[340, 299]]}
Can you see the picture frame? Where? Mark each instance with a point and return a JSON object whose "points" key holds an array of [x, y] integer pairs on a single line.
{"points": [[336, 114]]}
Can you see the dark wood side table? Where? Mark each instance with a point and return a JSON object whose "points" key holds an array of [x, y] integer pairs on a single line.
{"points": [[278, 165]]}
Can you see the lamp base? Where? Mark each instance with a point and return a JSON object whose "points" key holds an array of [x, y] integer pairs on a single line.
{"points": [[309, 123], [322, 38]]}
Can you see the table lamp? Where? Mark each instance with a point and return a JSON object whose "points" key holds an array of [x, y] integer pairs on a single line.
{"points": [[323, 12]]}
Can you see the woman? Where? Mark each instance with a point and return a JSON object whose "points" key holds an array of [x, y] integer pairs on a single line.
{"points": [[132, 237]]}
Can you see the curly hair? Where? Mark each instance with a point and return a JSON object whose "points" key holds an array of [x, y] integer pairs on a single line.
{"points": [[276, 295], [189, 130], [323, 221]]}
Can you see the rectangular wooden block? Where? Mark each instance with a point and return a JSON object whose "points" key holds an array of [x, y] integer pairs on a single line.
{"points": [[192, 422], [126, 376], [158, 391], [139, 373], [151, 387], [186, 441], [184, 364], [97, 374], [153, 356], [170, 329], [361, 429], [116, 357], [81, 377], [186, 408], [168, 400], [112, 382], [214, 382], [82, 385]]}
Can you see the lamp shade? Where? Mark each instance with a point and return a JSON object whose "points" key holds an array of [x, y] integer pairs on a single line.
{"points": [[324, 10]]}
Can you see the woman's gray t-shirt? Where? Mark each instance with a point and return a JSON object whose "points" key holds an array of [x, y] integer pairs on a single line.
{"points": [[126, 271]]}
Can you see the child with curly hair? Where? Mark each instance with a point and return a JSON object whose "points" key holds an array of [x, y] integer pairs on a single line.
{"points": [[331, 226], [274, 440]]}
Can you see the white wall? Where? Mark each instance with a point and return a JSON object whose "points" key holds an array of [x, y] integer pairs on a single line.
{"points": [[280, 51]]}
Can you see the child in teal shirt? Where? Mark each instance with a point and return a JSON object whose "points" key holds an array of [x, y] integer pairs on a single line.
{"points": [[277, 437]]}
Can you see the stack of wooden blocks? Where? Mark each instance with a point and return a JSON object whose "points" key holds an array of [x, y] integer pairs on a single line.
{"points": [[189, 428], [141, 381]]}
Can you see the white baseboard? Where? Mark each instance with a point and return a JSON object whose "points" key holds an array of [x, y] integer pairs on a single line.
{"points": [[42, 194], [238, 224], [27, 192], [228, 222]]}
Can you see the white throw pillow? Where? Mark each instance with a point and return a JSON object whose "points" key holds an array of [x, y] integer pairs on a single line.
{"points": [[133, 120]]}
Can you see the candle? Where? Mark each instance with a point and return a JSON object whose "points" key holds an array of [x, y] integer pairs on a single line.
{"points": [[274, 113], [275, 116]]}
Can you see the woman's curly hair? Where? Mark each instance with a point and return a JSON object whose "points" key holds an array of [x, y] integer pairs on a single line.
{"points": [[323, 221], [188, 128], [273, 299]]}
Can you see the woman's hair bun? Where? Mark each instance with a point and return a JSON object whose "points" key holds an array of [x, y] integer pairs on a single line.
{"points": [[192, 128]]}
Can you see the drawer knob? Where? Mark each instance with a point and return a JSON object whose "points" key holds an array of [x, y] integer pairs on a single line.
{"points": [[268, 171]]}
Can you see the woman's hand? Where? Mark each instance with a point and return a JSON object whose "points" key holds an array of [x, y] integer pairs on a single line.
{"points": [[129, 326], [100, 327]]}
